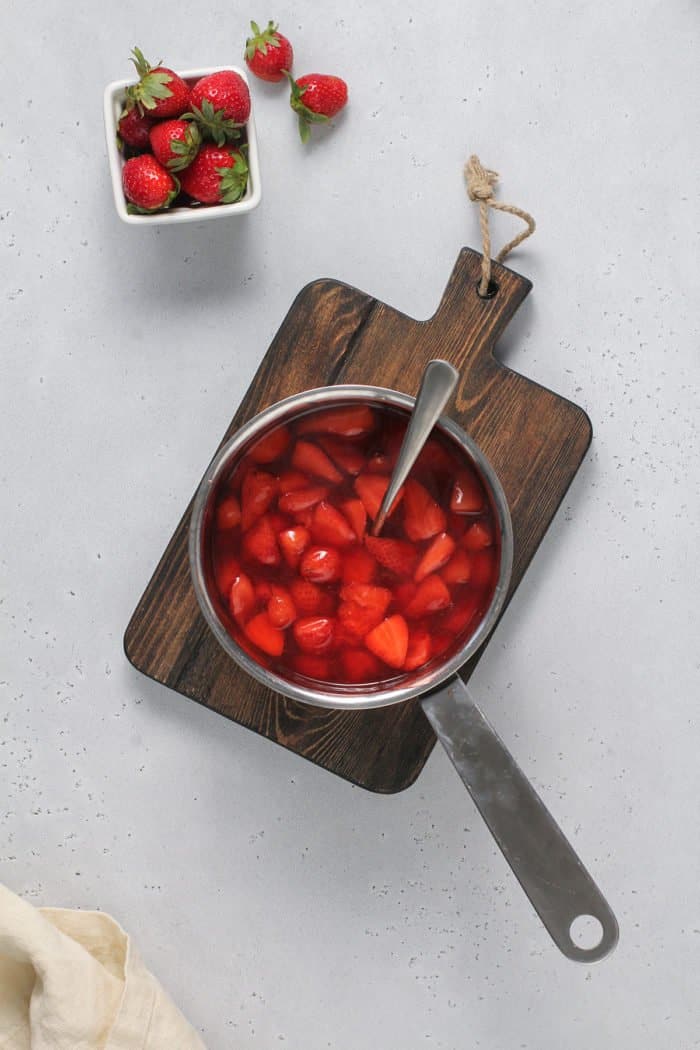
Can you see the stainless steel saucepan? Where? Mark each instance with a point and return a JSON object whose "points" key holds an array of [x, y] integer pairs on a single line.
{"points": [[551, 874]]}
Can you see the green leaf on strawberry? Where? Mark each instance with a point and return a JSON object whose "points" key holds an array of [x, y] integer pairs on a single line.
{"points": [[213, 124], [306, 116]]}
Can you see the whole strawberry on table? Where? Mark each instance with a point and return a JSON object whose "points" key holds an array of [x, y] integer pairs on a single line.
{"points": [[184, 141]]}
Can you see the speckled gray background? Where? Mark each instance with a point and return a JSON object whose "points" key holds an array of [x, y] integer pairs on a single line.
{"points": [[279, 905]]}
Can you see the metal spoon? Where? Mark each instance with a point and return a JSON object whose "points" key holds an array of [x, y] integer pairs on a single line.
{"points": [[437, 383]]}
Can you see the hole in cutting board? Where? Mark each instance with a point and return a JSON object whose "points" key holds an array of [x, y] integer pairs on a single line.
{"points": [[586, 932], [490, 291]]}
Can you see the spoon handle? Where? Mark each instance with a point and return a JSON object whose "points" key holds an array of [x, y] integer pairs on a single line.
{"points": [[437, 383]]}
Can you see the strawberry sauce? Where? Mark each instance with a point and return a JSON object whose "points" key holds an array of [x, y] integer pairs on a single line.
{"points": [[303, 586]]}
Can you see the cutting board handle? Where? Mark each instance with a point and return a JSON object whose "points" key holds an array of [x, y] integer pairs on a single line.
{"points": [[469, 323]]}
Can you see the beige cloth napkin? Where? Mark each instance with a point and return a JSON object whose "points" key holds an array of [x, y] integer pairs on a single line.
{"points": [[72, 980]]}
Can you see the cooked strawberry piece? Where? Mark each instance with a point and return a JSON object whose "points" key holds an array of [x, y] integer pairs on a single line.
{"points": [[271, 446], [228, 513], [423, 517], [371, 489], [268, 638], [404, 593], [280, 607], [431, 595], [398, 556], [330, 526], [226, 568], [345, 455], [259, 490], [353, 421], [477, 536], [434, 458], [389, 640], [304, 517], [291, 481], [312, 459], [438, 554], [359, 665], [293, 542], [458, 619], [358, 565], [308, 598], [458, 568], [354, 511], [312, 666], [483, 568], [419, 649], [362, 607], [260, 543], [313, 634], [241, 598], [467, 494], [380, 463], [320, 564], [301, 499]]}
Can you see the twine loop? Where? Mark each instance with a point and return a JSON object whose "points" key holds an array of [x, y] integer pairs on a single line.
{"points": [[480, 188]]}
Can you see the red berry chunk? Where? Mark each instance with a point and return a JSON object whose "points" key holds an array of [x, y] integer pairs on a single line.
{"points": [[311, 593]]}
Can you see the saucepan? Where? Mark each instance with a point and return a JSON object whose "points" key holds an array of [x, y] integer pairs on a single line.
{"points": [[558, 886]]}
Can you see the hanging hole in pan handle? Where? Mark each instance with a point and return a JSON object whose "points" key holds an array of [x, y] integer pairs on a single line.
{"points": [[490, 292]]}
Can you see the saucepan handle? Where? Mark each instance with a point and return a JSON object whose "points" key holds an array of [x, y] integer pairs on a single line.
{"points": [[554, 879]]}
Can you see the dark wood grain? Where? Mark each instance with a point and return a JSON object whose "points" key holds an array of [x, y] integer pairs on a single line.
{"points": [[337, 334]]}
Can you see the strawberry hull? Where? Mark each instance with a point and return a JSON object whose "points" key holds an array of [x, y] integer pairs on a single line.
{"points": [[371, 606]]}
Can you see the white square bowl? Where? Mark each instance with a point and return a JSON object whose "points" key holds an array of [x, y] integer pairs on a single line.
{"points": [[114, 98]]}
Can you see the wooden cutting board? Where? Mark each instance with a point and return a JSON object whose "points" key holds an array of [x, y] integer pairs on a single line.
{"points": [[336, 334]]}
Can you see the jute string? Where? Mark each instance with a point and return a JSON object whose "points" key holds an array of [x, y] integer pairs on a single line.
{"points": [[480, 184]]}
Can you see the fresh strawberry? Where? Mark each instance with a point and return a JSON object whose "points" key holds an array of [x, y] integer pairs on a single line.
{"points": [[423, 517], [477, 536], [398, 556], [147, 185], [458, 568], [419, 649], [258, 491], [330, 526], [431, 595], [313, 634], [159, 92], [301, 499], [389, 640], [216, 175], [221, 105], [262, 633], [320, 565], [315, 98], [359, 665], [311, 665], [280, 607], [268, 54], [241, 598], [260, 543], [134, 129], [309, 599], [358, 565], [345, 455], [175, 143], [312, 459], [293, 542], [371, 489], [483, 569], [228, 513], [271, 446], [467, 494], [438, 554], [353, 421], [354, 511]]}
